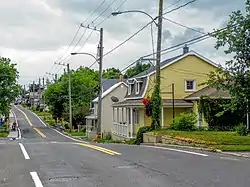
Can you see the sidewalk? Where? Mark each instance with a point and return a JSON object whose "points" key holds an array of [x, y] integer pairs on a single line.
{"points": [[13, 134]]}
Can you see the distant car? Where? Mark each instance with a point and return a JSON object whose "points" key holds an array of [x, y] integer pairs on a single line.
{"points": [[16, 103]]}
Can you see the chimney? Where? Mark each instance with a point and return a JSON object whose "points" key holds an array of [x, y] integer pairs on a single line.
{"points": [[185, 49], [121, 78]]}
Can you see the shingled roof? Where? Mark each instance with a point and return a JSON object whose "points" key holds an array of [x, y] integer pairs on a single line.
{"points": [[210, 92]]}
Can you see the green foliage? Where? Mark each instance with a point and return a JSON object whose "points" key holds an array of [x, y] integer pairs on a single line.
{"points": [[83, 83], [218, 113], [111, 73], [236, 76], [156, 107], [9, 89], [241, 130], [184, 122], [139, 135], [138, 68]]}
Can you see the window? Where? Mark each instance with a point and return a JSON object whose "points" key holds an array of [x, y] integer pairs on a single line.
{"points": [[129, 89], [189, 85], [137, 87]]}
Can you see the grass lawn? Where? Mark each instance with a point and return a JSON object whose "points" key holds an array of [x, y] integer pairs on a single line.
{"points": [[226, 141], [76, 133], [4, 134]]}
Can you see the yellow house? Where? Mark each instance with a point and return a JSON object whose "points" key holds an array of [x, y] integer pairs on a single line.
{"points": [[181, 77]]}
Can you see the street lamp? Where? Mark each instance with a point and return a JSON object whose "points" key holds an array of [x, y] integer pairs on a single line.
{"points": [[99, 113], [157, 95], [138, 11]]}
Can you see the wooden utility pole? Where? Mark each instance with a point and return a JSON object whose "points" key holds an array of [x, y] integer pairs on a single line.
{"points": [[99, 113]]}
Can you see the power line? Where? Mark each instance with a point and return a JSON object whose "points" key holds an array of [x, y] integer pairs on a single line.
{"points": [[195, 30], [183, 5], [172, 5], [122, 3], [104, 11], [99, 6]]}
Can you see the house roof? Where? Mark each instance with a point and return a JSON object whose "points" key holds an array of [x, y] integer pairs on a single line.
{"points": [[152, 68], [107, 83], [109, 90], [165, 102], [210, 92]]}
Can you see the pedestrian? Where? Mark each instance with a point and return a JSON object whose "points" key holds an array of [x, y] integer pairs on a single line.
{"points": [[14, 126]]}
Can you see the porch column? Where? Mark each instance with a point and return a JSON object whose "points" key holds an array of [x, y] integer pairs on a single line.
{"points": [[162, 117], [127, 121], [143, 117], [131, 125]]}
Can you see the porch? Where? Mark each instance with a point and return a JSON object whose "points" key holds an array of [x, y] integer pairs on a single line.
{"points": [[129, 116]]}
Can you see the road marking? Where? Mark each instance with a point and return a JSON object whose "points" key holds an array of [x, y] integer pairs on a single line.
{"points": [[228, 158], [176, 150], [24, 116], [70, 137], [104, 150], [36, 179], [38, 118], [39, 132], [25, 154]]}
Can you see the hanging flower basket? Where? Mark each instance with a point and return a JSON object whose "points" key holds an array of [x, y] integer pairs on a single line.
{"points": [[148, 106]]}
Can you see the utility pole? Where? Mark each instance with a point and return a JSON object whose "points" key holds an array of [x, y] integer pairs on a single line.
{"points": [[55, 77], [70, 104], [43, 94], [157, 102], [39, 90], [173, 101], [34, 94], [99, 114]]}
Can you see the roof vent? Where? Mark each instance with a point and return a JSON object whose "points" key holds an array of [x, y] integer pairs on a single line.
{"points": [[185, 49]]}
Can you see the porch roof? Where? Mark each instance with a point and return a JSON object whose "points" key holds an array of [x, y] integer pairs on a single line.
{"points": [[166, 103], [210, 92]]}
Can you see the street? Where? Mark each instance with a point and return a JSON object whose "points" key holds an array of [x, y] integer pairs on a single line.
{"points": [[43, 157]]}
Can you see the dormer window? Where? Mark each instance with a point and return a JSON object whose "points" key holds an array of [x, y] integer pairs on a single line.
{"points": [[190, 85]]}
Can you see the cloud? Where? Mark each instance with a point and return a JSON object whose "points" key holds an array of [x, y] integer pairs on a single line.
{"points": [[35, 33]]}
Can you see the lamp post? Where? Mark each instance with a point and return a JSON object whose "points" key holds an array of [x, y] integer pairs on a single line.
{"points": [[156, 94], [99, 113]]}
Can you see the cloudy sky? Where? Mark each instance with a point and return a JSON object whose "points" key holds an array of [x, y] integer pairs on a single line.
{"points": [[36, 33]]}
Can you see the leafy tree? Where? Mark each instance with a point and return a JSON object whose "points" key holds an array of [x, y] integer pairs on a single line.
{"points": [[9, 88], [111, 73], [235, 78], [83, 84], [138, 68]]}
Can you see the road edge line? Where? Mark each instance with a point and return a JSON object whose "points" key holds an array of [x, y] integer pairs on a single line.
{"points": [[36, 179], [76, 140], [176, 150], [25, 154]]}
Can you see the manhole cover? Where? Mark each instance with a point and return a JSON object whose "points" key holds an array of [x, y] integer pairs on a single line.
{"points": [[64, 178]]}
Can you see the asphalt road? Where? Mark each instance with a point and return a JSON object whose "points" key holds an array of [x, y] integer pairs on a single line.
{"points": [[43, 157]]}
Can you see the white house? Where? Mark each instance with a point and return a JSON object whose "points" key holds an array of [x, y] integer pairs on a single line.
{"points": [[118, 90]]}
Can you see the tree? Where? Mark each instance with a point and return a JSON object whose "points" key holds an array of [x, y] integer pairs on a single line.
{"points": [[236, 76], [138, 68], [84, 82], [9, 88], [111, 73]]}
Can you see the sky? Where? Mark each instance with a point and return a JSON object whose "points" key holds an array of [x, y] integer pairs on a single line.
{"points": [[37, 33]]}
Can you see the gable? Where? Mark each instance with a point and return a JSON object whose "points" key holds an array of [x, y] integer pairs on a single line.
{"points": [[191, 67]]}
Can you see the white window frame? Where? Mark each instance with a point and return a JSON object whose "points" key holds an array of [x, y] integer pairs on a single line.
{"points": [[194, 86], [137, 87], [129, 89]]}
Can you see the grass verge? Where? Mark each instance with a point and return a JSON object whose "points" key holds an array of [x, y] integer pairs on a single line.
{"points": [[225, 141], [4, 134], [76, 133]]}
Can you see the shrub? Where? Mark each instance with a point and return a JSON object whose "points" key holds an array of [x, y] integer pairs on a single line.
{"points": [[66, 126], [184, 122], [139, 135], [108, 136], [241, 130]]}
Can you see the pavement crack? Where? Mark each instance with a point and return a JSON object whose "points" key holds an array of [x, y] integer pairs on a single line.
{"points": [[65, 178]]}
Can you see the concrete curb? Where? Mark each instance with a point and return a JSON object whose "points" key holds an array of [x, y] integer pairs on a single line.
{"points": [[198, 148]]}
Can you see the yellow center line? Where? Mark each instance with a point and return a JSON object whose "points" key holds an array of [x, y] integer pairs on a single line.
{"points": [[26, 117], [39, 132], [104, 150]]}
